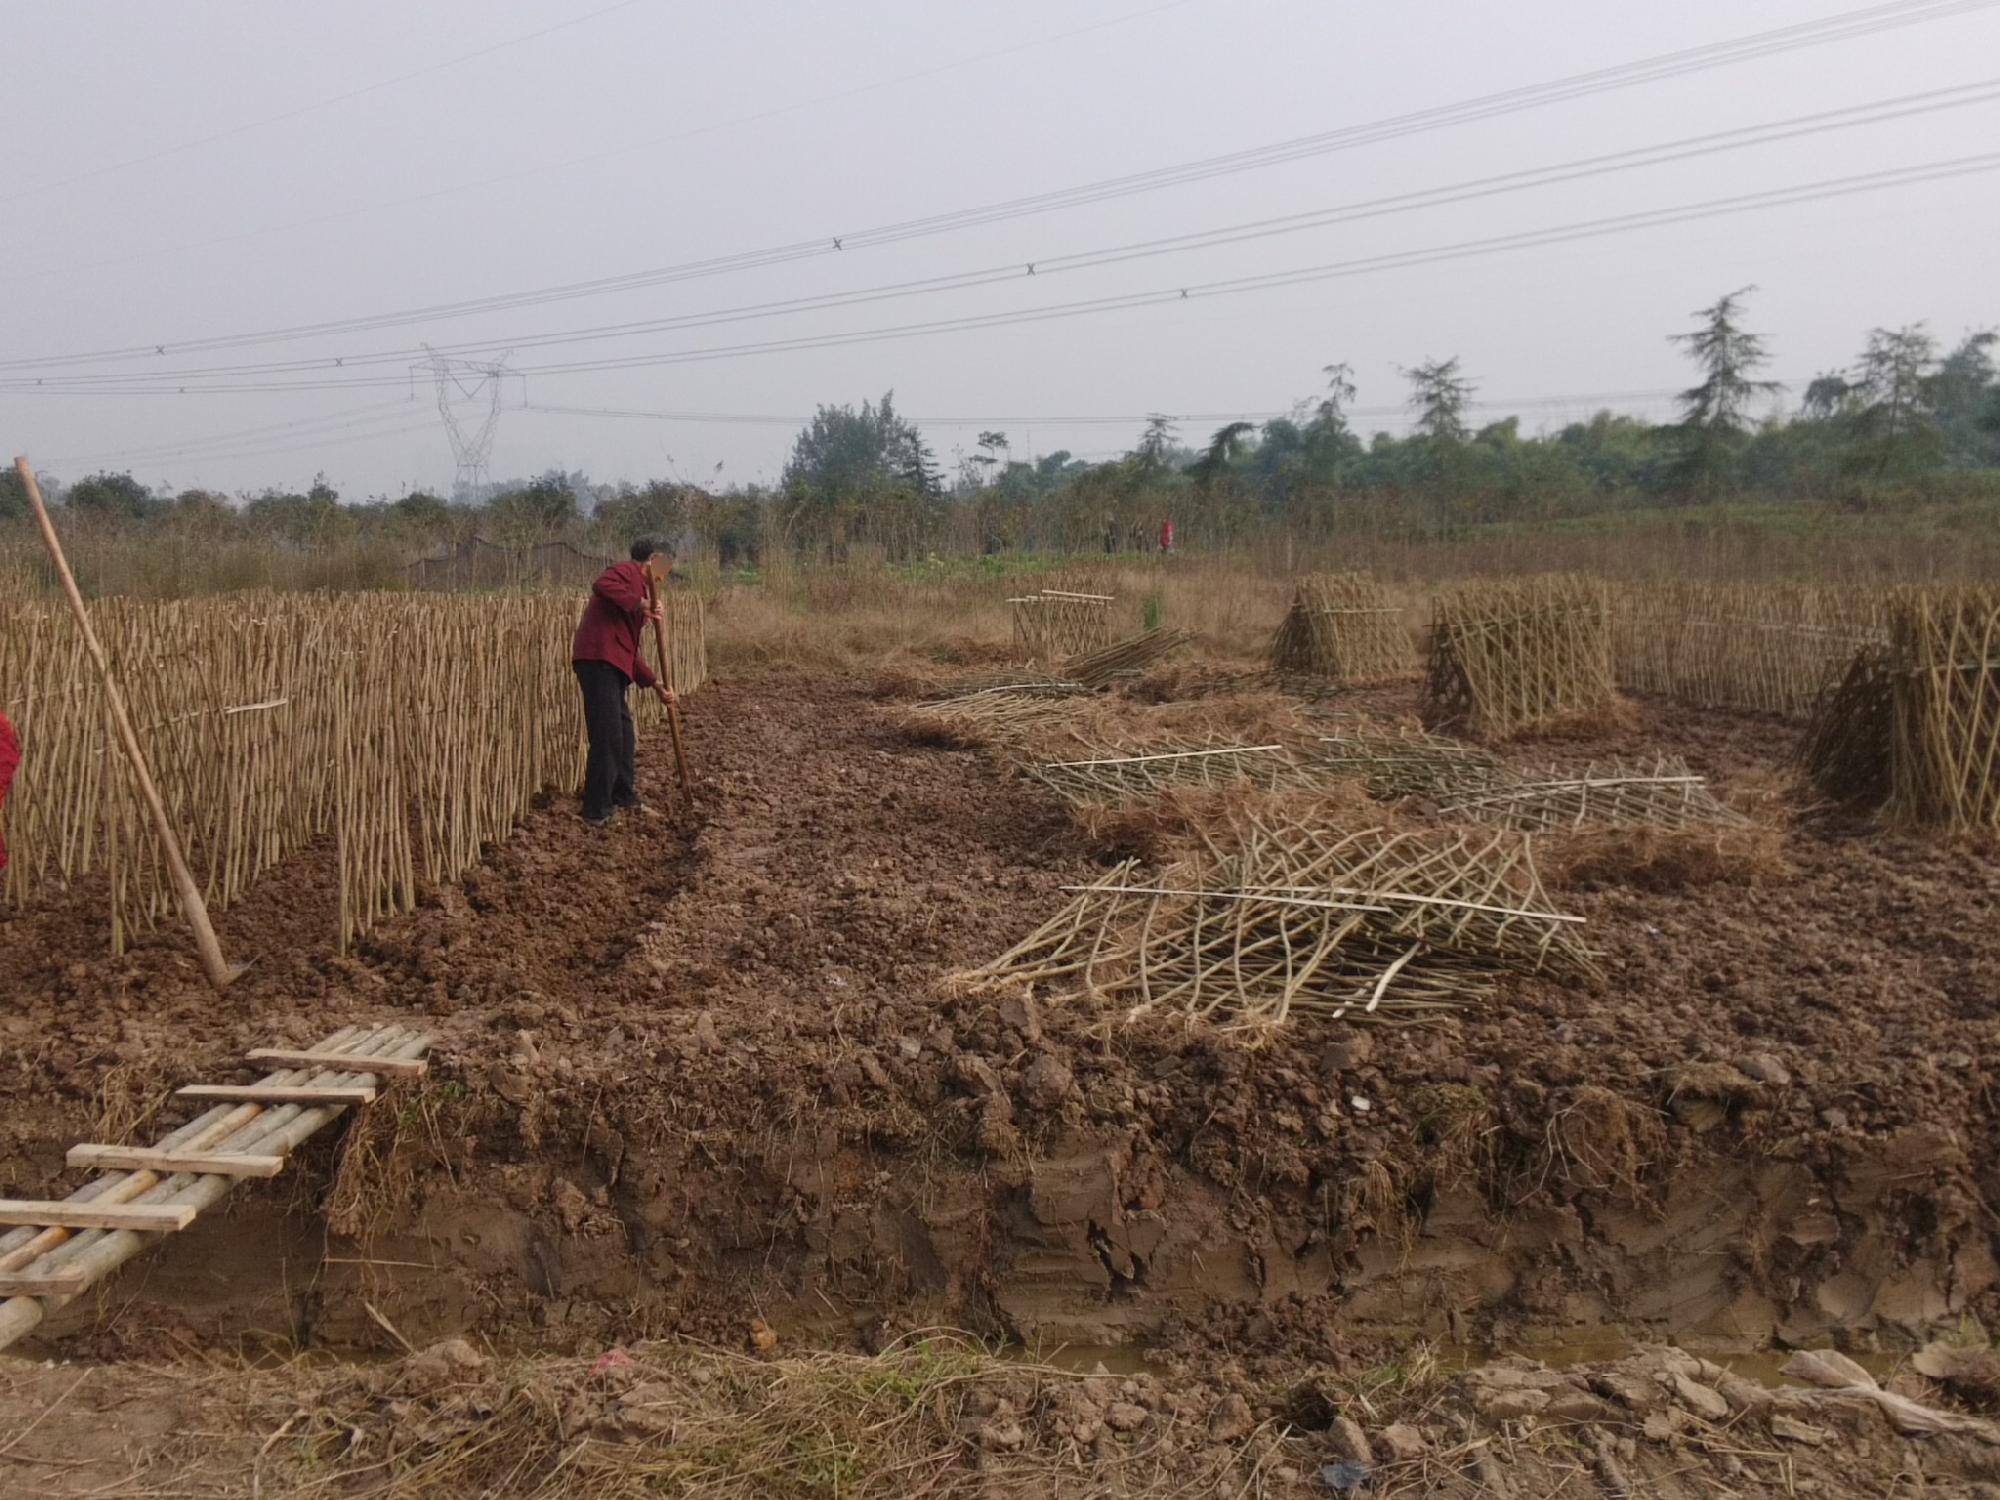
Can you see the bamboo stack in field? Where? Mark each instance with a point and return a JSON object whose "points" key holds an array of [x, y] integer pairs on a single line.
{"points": [[1765, 648], [1270, 921], [1914, 726], [1512, 655], [1342, 626], [409, 731], [1052, 625]]}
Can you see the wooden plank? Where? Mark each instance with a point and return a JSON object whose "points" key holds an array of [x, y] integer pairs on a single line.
{"points": [[276, 1093], [155, 1159], [160, 1217], [43, 1284], [386, 1067]]}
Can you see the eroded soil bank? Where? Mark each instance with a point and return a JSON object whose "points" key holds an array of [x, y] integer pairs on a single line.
{"points": [[701, 1071]]}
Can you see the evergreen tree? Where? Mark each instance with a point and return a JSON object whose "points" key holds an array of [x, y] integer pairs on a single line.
{"points": [[1439, 396], [1715, 415]]}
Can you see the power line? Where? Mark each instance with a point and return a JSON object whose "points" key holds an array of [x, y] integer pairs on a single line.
{"points": [[504, 177], [294, 113], [207, 382], [1836, 28]]}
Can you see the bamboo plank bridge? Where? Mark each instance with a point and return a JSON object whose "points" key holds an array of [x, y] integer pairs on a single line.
{"points": [[57, 1251]]}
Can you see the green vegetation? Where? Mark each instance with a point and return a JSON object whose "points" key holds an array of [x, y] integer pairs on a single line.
{"points": [[1904, 442]]}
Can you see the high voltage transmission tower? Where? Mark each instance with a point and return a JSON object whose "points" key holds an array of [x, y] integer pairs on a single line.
{"points": [[471, 446]]}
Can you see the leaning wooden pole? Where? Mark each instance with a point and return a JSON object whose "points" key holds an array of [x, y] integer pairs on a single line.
{"points": [[219, 972], [657, 598]]}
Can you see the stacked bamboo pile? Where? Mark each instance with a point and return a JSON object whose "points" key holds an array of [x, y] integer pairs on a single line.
{"points": [[1666, 796], [1273, 920], [1508, 656], [1765, 648], [1915, 725], [1122, 778], [408, 730], [1410, 763], [985, 715], [61, 1249], [1342, 626], [1126, 658], [1056, 624]]}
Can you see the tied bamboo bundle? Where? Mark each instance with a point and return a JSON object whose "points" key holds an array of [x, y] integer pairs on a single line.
{"points": [[1666, 796], [1945, 762], [1056, 624], [990, 715], [1115, 777], [1764, 648], [1914, 726], [1126, 658], [1273, 920], [1516, 655], [410, 731], [1410, 763], [1342, 626]]}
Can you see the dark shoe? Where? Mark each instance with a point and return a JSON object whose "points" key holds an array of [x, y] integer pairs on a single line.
{"points": [[603, 822], [638, 809]]}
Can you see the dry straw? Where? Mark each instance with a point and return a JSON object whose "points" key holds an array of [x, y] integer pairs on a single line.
{"points": [[1765, 648], [1342, 626], [1519, 654], [410, 730], [1275, 918]]}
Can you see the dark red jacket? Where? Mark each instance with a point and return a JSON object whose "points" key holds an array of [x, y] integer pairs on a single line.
{"points": [[614, 623], [10, 757]]}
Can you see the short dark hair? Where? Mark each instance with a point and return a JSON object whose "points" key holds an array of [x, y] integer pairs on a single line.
{"points": [[643, 549]]}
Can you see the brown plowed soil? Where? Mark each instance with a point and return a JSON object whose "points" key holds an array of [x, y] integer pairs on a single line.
{"points": [[699, 1069]]}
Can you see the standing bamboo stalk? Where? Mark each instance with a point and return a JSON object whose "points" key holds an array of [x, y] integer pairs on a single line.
{"points": [[220, 974], [658, 607]]}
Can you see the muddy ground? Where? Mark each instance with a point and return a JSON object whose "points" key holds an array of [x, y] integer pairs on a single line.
{"points": [[700, 1070]]}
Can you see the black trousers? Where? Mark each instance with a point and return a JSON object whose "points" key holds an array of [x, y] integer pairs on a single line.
{"points": [[609, 777]]}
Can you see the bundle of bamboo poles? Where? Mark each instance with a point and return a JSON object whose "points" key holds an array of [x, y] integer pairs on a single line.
{"points": [[1126, 658], [1407, 763], [1342, 626], [1508, 656], [1945, 767], [410, 730], [1121, 777], [1765, 648], [1914, 726], [1273, 919], [1665, 795], [1055, 624]]}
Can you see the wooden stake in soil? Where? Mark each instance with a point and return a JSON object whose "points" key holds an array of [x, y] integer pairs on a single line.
{"points": [[654, 602], [220, 974]]}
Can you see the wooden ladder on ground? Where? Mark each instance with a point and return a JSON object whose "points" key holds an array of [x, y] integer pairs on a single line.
{"points": [[56, 1251]]}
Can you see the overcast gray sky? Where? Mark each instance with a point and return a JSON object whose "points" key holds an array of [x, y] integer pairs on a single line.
{"points": [[189, 169]]}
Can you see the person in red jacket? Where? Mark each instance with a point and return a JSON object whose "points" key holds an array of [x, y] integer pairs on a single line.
{"points": [[608, 656], [10, 760]]}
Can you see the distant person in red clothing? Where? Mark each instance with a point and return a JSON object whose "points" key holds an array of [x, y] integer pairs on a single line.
{"points": [[10, 760], [1166, 536], [609, 655]]}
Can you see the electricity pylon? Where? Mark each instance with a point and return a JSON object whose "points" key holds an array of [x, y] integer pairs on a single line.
{"points": [[471, 447]]}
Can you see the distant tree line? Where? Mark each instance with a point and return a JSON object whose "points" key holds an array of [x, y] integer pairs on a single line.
{"points": [[1909, 419]]}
